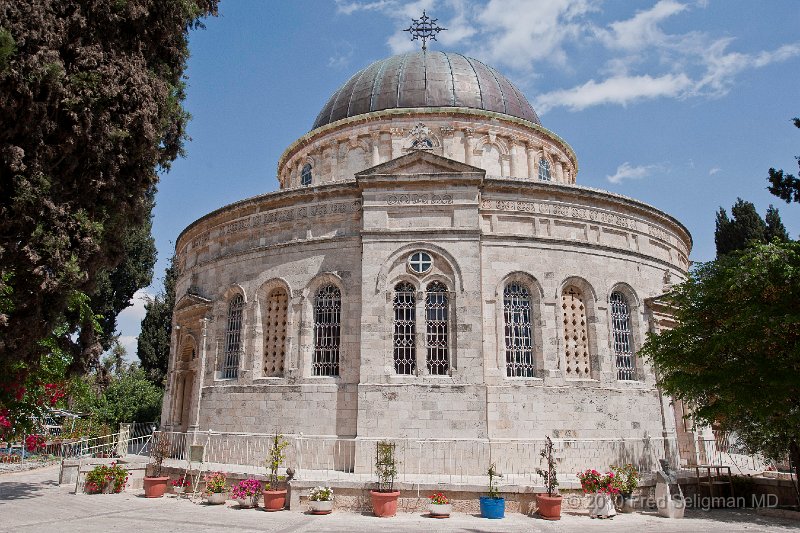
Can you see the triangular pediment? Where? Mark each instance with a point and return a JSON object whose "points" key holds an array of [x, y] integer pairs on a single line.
{"points": [[189, 300], [420, 162]]}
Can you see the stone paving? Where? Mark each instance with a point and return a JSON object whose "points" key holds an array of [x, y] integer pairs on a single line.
{"points": [[34, 502]]}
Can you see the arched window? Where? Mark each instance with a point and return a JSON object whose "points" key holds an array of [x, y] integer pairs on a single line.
{"points": [[544, 169], [275, 313], [327, 331], [233, 338], [518, 334], [437, 330], [621, 332], [305, 175], [405, 329], [576, 335]]}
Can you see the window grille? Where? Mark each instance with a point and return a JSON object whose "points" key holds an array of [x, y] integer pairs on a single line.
{"points": [[518, 331], [405, 329], [275, 332], [544, 169], [576, 339], [623, 341], [420, 262], [233, 338], [327, 331], [305, 175], [436, 321]]}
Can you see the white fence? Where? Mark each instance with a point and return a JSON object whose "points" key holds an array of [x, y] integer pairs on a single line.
{"points": [[430, 460]]}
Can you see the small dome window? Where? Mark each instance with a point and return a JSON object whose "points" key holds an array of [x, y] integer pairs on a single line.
{"points": [[305, 175], [420, 262], [544, 169]]}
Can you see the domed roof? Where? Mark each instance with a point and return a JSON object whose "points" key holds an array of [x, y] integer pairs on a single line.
{"points": [[426, 79]]}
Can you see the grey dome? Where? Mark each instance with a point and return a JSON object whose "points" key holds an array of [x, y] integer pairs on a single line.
{"points": [[426, 79]]}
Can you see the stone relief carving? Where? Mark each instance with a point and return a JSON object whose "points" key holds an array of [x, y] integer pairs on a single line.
{"points": [[409, 199]]}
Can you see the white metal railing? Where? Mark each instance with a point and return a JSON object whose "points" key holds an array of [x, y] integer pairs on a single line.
{"points": [[462, 461], [719, 451]]}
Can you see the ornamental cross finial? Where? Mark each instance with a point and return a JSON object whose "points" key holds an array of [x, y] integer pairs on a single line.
{"points": [[425, 29]]}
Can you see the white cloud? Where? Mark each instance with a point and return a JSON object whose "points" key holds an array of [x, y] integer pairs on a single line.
{"points": [[129, 342], [722, 67], [642, 29], [348, 8], [627, 172], [620, 90], [714, 170], [343, 54]]}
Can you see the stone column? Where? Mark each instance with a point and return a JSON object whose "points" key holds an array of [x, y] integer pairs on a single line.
{"points": [[559, 171], [469, 146], [422, 367], [531, 153], [201, 375], [375, 137], [515, 171]]}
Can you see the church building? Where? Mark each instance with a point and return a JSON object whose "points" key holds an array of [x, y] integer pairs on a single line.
{"points": [[430, 268]]}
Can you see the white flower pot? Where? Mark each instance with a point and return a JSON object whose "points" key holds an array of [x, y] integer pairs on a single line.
{"points": [[440, 510], [321, 507], [246, 503], [216, 498], [601, 504], [178, 490]]}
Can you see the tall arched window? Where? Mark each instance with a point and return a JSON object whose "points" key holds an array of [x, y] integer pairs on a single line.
{"points": [[437, 328], [405, 329], [327, 331], [275, 315], [305, 174], [233, 338], [544, 169], [623, 340], [518, 331], [576, 335]]}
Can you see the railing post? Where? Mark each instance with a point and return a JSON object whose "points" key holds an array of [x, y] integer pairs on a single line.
{"points": [[124, 439]]}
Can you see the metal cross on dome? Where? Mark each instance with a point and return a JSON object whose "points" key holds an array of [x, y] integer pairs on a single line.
{"points": [[425, 29]]}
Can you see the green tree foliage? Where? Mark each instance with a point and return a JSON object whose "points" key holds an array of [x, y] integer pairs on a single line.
{"points": [[745, 227], [90, 107], [114, 290], [775, 228], [785, 186], [735, 354], [154, 339]]}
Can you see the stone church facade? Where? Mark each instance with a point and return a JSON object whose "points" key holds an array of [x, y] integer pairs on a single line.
{"points": [[429, 269]]}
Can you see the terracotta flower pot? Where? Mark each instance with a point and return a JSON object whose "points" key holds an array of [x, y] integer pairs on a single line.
{"points": [[274, 500], [154, 487], [384, 504], [549, 506]]}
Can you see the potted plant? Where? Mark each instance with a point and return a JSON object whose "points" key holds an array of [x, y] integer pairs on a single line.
{"points": [[602, 488], [320, 500], [549, 505], [274, 492], [155, 484], [107, 479], [179, 485], [216, 488], [627, 479], [246, 492], [439, 506], [493, 505], [384, 498]]}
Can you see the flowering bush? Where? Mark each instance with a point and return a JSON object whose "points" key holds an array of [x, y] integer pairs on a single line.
{"points": [[594, 481], [34, 442], [182, 482], [626, 478], [438, 498], [103, 476], [215, 482], [247, 488], [320, 494]]}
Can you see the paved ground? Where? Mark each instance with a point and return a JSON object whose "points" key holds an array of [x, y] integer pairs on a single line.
{"points": [[33, 502]]}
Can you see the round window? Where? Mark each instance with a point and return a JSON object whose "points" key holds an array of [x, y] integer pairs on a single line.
{"points": [[420, 262]]}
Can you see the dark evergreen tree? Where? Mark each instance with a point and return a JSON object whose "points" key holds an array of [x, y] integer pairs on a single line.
{"points": [[785, 186], [775, 228], [744, 226], [154, 339], [90, 107]]}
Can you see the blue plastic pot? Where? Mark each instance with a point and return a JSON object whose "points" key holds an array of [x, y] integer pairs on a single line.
{"points": [[493, 507]]}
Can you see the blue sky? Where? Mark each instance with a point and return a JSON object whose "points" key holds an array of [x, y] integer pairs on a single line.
{"points": [[683, 104]]}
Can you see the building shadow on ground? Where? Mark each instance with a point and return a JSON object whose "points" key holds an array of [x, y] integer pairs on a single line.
{"points": [[12, 490]]}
